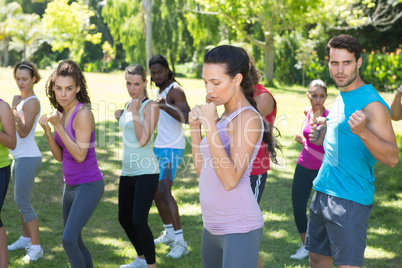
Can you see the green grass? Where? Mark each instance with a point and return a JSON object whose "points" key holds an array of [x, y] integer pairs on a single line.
{"points": [[106, 239]]}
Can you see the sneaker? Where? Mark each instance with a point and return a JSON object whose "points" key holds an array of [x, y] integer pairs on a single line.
{"points": [[19, 244], [137, 263], [164, 239], [33, 254], [301, 253], [179, 248]]}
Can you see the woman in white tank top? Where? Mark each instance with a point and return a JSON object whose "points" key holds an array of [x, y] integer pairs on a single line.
{"points": [[27, 158]]}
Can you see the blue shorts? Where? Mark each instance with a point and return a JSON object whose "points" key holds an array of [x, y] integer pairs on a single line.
{"points": [[168, 159], [338, 227]]}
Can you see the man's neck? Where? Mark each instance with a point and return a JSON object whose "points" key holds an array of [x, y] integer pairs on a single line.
{"points": [[355, 85], [165, 85]]}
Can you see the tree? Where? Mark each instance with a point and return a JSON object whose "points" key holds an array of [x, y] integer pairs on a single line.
{"points": [[69, 27], [129, 25], [7, 13], [126, 23], [147, 4], [108, 53], [352, 14], [304, 54], [270, 17], [26, 29]]}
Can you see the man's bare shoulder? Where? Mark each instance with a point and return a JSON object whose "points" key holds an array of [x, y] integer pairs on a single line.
{"points": [[176, 93], [376, 109], [177, 88], [377, 115]]}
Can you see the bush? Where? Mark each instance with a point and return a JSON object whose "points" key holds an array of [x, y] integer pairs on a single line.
{"points": [[188, 70], [285, 60], [382, 70]]}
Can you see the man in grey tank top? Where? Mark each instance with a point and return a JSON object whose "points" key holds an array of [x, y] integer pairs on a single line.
{"points": [[169, 150]]}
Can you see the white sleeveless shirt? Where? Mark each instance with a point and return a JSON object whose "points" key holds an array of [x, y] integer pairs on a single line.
{"points": [[170, 131], [27, 147]]}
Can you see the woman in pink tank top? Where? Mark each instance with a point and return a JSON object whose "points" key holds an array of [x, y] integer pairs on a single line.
{"points": [[73, 144], [233, 223], [309, 161]]}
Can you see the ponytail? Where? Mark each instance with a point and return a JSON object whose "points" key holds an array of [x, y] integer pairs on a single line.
{"points": [[236, 60]]}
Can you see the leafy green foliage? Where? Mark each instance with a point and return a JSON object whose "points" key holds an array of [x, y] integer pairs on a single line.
{"points": [[26, 32], [382, 70], [7, 14], [272, 16], [69, 28], [125, 21]]}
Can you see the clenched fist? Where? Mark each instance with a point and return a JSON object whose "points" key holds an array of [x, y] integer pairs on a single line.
{"points": [[357, 122]]}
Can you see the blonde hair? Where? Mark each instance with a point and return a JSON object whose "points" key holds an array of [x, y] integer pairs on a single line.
{"points": [[27, 65], [137, 69]]}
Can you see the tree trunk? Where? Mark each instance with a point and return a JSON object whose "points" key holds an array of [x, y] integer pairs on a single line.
{"points": [[24, 52], [269, 56], [171, 56], [148, 29], [6, 42]]}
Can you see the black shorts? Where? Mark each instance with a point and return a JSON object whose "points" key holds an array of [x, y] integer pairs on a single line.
{"points": [[258, 185]]}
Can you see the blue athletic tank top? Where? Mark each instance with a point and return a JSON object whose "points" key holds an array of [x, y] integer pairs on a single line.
{"points": [[347, 167]]}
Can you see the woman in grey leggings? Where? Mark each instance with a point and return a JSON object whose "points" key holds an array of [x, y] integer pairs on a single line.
{"points": [[27, 158], [73, 144]]}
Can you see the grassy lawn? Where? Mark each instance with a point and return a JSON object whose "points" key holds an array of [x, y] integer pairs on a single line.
{"points": [[106, 239]]}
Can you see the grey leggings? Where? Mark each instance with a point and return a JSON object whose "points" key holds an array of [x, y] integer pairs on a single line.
{"points": [[231, 250], [79, 202], [24, 170]]}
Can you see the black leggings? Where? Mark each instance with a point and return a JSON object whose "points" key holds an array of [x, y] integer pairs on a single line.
{"points": [[301, 190], [136, 194], [4, 181]]}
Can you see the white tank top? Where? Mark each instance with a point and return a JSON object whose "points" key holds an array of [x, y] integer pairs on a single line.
{"points": [[27, 147], [170, 131]]}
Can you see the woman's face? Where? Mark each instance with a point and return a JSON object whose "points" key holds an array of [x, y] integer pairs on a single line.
{"points": [[135, 85], [220, 87], [24, 80], [317, 97], [65, 90]]}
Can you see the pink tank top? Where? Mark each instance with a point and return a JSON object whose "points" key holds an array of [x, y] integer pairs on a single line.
{"points": [[74, 172], [311, 156], [227, 212]]}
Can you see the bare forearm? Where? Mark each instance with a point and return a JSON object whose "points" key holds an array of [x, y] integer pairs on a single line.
{"points": [[7, 140], [140, 131], [78, 153], [176, 114], [195, 144], [396, 108], [54, 148], [21, 127], [384, 151], [224, 166]]}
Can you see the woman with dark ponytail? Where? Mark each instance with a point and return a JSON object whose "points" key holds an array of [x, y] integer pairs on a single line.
{"points": [[223, 158]]}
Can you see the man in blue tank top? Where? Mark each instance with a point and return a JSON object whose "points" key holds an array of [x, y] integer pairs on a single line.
{"points": [[359, 133]]}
